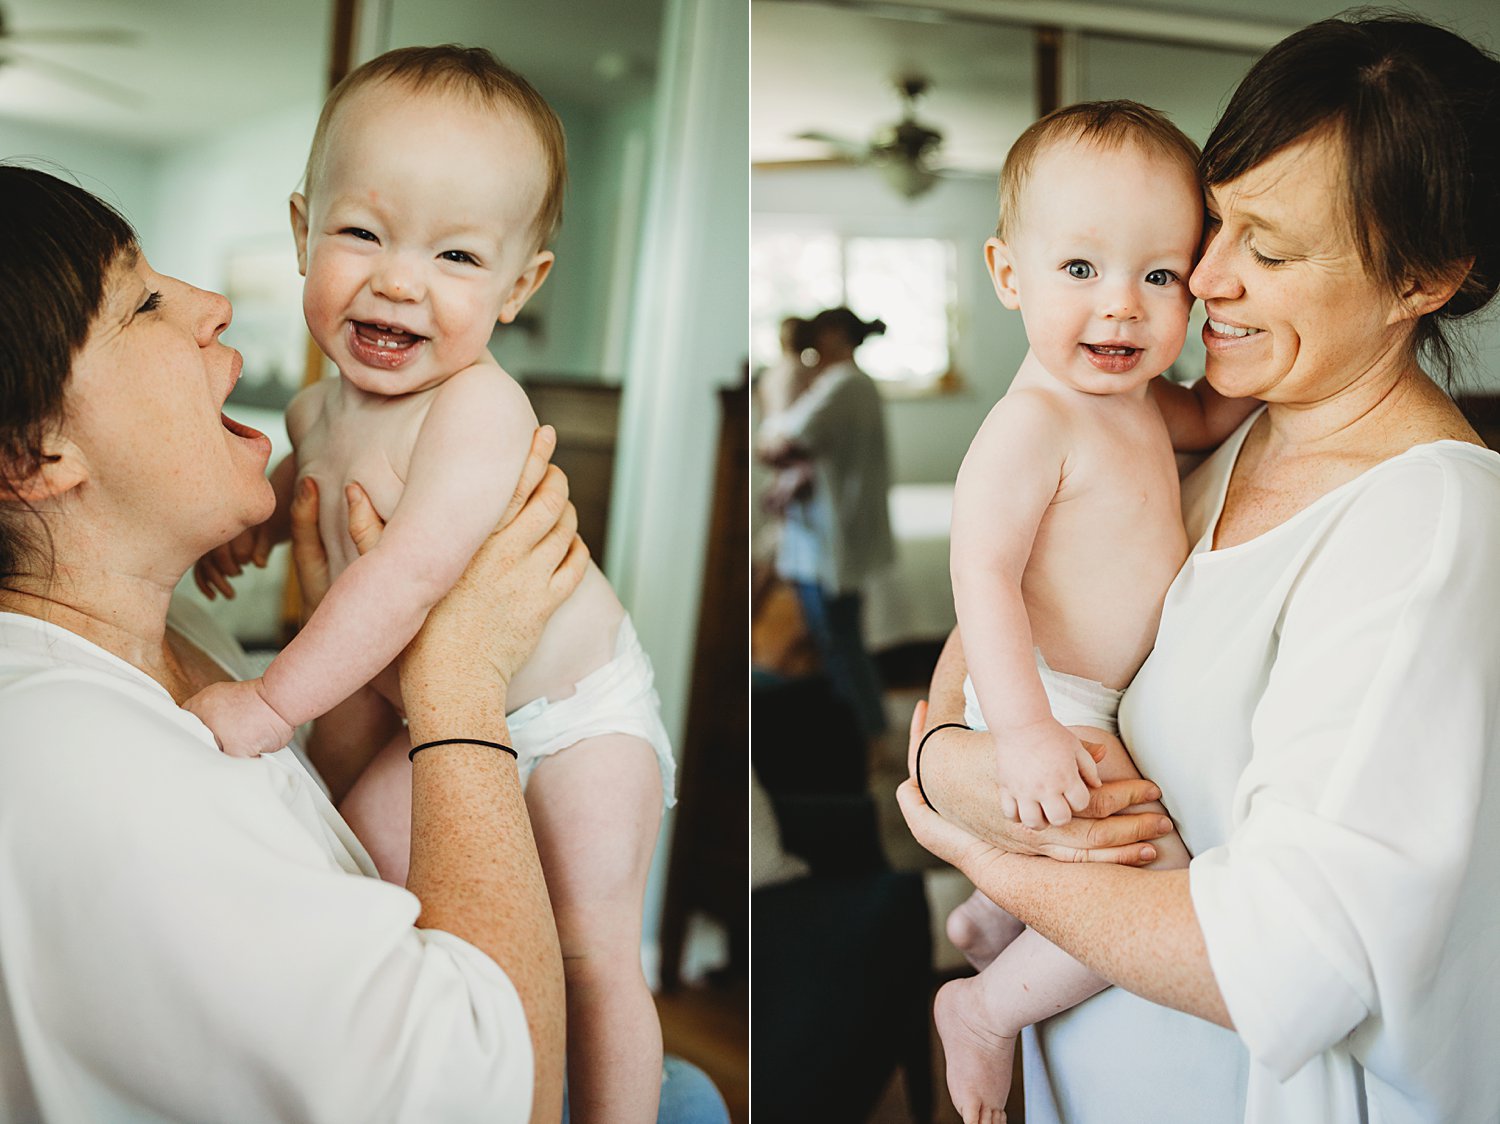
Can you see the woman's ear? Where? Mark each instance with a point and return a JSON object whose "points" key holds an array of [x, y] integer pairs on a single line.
{"points": [[58, 470], [1002, 270], [526, 285], [1428, 294], [298, 203]]}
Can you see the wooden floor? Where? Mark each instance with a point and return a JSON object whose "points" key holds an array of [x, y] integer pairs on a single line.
{"points": [[710, 1027]]}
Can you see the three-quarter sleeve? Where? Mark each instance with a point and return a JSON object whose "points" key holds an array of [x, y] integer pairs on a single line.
{"points": [[1355, 818], [189, 947], [821, 416]]}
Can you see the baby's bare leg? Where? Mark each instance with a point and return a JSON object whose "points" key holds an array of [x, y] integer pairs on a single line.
{"points": [[980, 1018], [378, 809], [595, 809], [981, 930]]}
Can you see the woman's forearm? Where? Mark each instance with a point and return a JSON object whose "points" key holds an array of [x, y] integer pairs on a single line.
{"points": [[474, 864], [1136, 928]]}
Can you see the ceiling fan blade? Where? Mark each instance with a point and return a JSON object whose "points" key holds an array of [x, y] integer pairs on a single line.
{"points": [[106, 36], [79, 79], [847, 148]]}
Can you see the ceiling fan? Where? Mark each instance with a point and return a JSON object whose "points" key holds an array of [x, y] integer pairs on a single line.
{"points": [[901, 152], [13, 44]]}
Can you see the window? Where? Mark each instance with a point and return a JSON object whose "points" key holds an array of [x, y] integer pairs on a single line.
{"points": [[907, 282]]}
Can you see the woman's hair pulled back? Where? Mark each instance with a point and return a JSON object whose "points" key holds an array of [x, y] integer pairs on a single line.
{"points": [[1417, 109], [846, 323], [57, 244]]}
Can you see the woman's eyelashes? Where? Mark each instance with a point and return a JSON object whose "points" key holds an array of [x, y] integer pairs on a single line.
{"points": [[150, 304], [1262, 259]]}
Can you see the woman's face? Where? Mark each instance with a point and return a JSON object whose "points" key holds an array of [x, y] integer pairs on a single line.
{"points": [[142, 412], [1293, 314]]}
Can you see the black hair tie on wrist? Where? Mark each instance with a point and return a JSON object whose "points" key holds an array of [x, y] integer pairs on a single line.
{"points": [[416, 749], [921, 745]]}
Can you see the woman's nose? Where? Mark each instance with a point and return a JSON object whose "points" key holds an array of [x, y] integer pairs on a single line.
{"points": [[212, 315], [1212, 277]]}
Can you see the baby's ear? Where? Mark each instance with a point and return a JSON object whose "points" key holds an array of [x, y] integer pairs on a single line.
{"points": [[298, 203], [529, 281], [1002, 270]]}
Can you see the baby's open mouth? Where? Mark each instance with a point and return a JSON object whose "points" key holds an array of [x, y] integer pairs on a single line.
{"points": [[1111, 349], [385, 336], [384, 346]]}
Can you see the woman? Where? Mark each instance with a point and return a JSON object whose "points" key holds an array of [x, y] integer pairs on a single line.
{"points": [[184, 935], [837, 532], [1322, 708]]}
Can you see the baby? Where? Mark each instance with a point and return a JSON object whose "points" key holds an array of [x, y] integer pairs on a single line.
{"points": [[434, 183], [1067, 529]]}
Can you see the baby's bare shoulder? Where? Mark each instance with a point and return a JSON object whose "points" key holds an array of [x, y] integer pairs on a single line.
{"points": [[483, 395]]}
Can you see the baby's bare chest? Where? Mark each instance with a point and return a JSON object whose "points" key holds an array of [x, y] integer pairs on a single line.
{"points": [[369, 445], [1117, 515]]}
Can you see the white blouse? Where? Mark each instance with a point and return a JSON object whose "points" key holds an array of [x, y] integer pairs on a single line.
{"points": [[1322, 712], [186, 936]]}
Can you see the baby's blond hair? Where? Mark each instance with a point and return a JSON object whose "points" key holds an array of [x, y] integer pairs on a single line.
{"points": [[470, 72], [1107, 124]]}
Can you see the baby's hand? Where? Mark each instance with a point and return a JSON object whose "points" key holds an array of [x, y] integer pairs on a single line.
{"points": [[213, 571], [241, 720], [1045, 774]]}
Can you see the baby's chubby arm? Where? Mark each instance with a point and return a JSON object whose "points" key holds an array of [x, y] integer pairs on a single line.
{"points": [[1198, 417], [464, 467], [1008, 479]]}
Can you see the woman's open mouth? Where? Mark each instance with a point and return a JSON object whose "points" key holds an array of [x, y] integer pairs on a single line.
{"points": [[246, 433], [1112, 358], [382, 345]]}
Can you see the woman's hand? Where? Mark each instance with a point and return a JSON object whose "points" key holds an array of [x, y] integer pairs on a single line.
{"points": [[308, 555], [965, 786], [486, 626]]}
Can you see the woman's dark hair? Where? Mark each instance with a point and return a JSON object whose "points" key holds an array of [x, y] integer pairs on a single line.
{"points": [[843, 321], [57, 244], [1417, 109]]}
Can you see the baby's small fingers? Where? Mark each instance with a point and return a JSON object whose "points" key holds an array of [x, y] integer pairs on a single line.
{"points": [[1008, 807], [1077, 795], [1087, 769], [201, 581], [1056, 809], [1032, 815]]}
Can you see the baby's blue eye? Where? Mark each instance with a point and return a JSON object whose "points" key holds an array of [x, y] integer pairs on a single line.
{"points": [[460, 256], [359, 232], [1161, 277], [1080, 269]]}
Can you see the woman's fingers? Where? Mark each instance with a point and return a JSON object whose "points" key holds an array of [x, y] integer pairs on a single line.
{"points": [[538, 458], [308, 555], [574, 565], [365, 524], [1116, 796]]}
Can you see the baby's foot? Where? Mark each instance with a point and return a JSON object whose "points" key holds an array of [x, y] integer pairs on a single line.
{"points": [[981, 930], [979, 1058]]}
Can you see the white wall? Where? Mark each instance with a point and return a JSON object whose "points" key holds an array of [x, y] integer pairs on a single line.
{"points": [[928, 436]]}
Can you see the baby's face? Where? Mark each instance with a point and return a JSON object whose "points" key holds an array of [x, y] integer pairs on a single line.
{"points": [[1099, 268], [418, 236]]}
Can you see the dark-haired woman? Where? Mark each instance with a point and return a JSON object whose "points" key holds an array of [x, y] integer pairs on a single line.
{"points": [[1322, 707], [184, 935], [837, 533]]}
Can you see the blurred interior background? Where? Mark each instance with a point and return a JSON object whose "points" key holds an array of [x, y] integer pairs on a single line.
{"points": [[194, 117], [877, 135]]}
